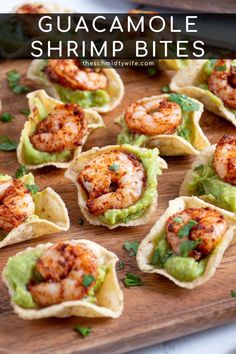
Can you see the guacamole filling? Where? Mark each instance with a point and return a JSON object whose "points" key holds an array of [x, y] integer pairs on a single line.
{"points": [[183, 268], [205, 181], [33, 156], [185, 130], [86, 99], [149, 159], [203, 82], [20, 270]]}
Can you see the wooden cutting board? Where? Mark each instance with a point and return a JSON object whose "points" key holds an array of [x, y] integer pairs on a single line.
{"points": [[153, 313]]}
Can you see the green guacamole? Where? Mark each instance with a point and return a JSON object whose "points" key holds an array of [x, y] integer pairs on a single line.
{"points": [[86, 99], [36, 157], [20, 269], [182, 268], [185, 130], [149, 159], [206, 182]]}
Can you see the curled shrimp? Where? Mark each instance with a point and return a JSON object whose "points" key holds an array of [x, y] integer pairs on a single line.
{"points": [[64, 128], [70, 73], [154, 116], [209, 229], [222, 82], [225, 159], [16, 204], [61, 269], [113, 180], [31, 9]]}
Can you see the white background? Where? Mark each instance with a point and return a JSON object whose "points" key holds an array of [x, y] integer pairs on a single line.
{"points": [[221, 340]]}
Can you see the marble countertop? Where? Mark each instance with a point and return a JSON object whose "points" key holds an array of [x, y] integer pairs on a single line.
{"points": [[220, 340]]}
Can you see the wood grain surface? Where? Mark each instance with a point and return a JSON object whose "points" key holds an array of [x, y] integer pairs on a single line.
{"points": [[154, 312]]}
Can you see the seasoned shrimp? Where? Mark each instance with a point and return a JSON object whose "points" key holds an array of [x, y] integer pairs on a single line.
{"points": [[225, 159], [31, 9], [153, 117], [113, 180], [64, 128], [16, 204], [222, 82], [208, 230], [62, 269], [70, 73]]}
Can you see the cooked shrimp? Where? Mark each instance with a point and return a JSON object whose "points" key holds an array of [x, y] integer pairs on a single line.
{"points": [[31, 9], [222, 82], [16, 204], [113, 180], [70, 73], [64, 128], [153, 117], [209, 229], [62, 268], [225, 159]]}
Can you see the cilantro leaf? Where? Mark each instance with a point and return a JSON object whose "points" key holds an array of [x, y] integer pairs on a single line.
{"points": [[83, 331], [151, 71], [114, 167], [13, 79], [21, 171], [188, 246], [25, 111], [185, 230], [186, 103], [121, 265], [6, 144], [81, 221], [233, 293], [131, 247], [160, 259], [178, 219], [199, 167], [87, 280], [165, 89], [6, 117], [220, 68], [132, 280], [33, 188]]}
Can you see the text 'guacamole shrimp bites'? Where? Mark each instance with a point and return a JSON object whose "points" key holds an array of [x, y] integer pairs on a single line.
{"points": [[55, 132], [81, 281], [65, 79], [213, 175], [187, 243], [213, 82], [27, 213], [117, 185], [169, 122]]}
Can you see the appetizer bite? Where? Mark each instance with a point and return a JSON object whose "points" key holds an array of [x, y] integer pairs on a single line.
{"points": [[213, 175], [70, 278], [67, 80], [26, 213], [169, 122], [213, 82], [187, 243], [55, 132], [31, 7], [173, 64], [117, 185]]}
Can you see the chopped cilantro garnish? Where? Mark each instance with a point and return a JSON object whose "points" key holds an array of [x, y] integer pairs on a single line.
{"points": [[121, 265], [187, 246], [233, 293], [21, 171], [33, 188], [186, 103], [131, 247], [25, 111], [6, 144], [178, 219], [114, 167], [6, 117], [87, 280], [165, 89], [220, 68], [199, 167], [13, 78], [83, 331], [132, 280], [158, 259], [81, 221], [185, 230], [151, 71]]}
